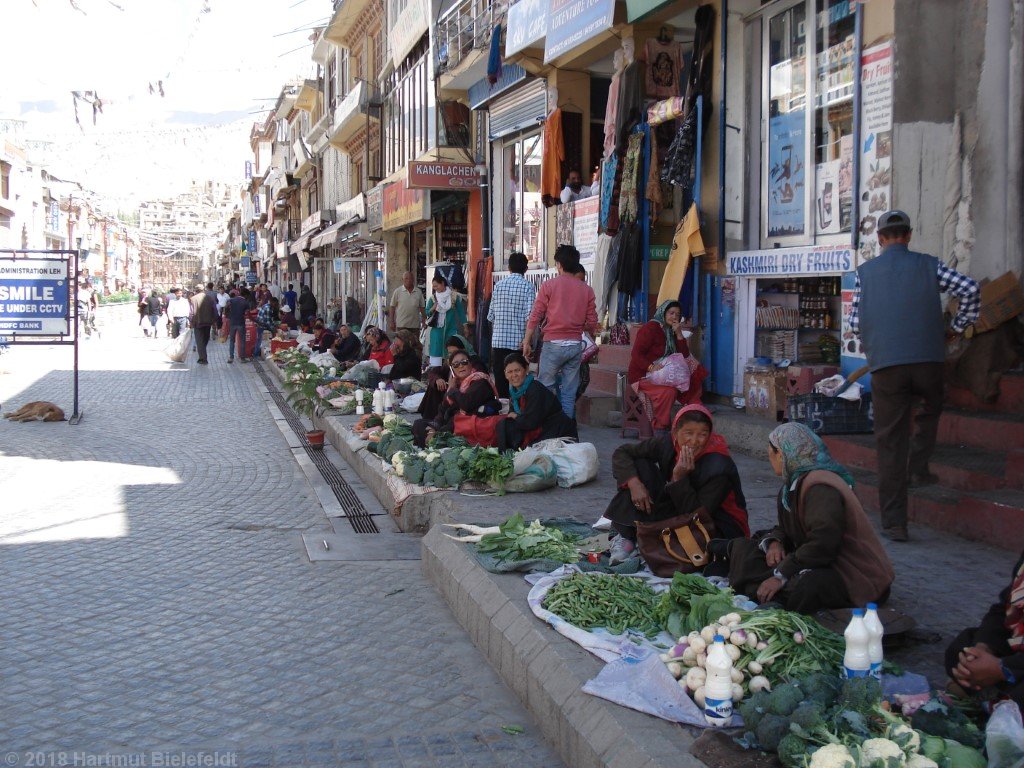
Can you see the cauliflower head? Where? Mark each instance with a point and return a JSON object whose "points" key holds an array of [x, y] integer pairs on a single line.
{"points": [[881, 753], [906, 737], [832, 756], [920, 761]]}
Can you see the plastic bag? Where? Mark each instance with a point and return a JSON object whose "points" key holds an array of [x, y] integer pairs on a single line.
{"points": [[576, 462], [1004, 736], [540, 474], [674, 371], [411, 404], [178, 349]]}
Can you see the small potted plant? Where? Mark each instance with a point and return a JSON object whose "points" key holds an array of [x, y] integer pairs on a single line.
{"points": [[303, 397]]}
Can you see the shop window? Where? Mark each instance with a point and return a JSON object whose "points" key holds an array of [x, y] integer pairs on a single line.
{"points": [[522, 213], [811, 57]]}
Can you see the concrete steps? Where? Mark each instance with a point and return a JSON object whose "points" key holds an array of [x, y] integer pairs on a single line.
{"points": [[990, 431], [1010, 400], [958, 467], [994, 517], [600, 398]]}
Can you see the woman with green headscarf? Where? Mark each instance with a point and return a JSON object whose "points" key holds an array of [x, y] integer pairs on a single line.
{"points": [[824, 553], [656, 340]]}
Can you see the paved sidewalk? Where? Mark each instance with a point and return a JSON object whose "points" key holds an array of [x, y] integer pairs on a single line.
{"points": [[157, 594]]}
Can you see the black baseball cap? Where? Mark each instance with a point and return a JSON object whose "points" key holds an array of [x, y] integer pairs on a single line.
{"points": [[893, 218]]}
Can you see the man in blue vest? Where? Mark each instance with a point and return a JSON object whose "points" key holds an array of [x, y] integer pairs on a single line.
{"points": [[898, 314]]}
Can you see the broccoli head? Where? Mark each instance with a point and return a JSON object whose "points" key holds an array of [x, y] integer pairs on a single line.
{"points": [[808, 722], [752, 709], [936, 719], [453, 475], [771, 730], [785, 698], [414, 472], [793, 750], [860, 694], [821, 688]]}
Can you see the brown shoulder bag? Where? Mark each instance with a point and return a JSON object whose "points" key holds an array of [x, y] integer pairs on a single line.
{"points": [[676, 544]]}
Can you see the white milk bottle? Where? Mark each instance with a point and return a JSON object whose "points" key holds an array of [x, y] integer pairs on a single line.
{"points": [[360, 408], [718, 685], [875, 632], [379, 399], [856, 662]]}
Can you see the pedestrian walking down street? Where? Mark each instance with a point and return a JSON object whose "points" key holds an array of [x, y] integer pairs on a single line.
{"points": [[143, 312], [569, 308], [264, 322], [307, 306], [511, 302], [204, 317], [406, 309], [154, 311], [178, 312], [236, 309], [897, 311], [291, 301]]}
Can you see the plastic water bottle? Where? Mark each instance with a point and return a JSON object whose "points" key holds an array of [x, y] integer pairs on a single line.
{"points": [[379, 399], [856, 662], [718, 685], [360, 408], [875, 632]]}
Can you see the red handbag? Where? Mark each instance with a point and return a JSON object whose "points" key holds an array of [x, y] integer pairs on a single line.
{"points": [[479, 430]]}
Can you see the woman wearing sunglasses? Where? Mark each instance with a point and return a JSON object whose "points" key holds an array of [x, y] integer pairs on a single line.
{"points": [[470, 392]]}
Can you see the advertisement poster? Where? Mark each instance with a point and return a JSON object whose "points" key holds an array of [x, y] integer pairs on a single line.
{"points": [[527, 24], [572, 22], [826, 198], [584, 229], [849, 342], [875, 144], [34, 297], [845, 182], [786, 174]]}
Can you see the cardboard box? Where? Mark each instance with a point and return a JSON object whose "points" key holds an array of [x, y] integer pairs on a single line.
{"points": [[765, 393], [800, 379], [1001, 300]]}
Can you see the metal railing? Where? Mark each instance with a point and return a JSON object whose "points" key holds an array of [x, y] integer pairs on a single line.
{"points": [[465, 27]]}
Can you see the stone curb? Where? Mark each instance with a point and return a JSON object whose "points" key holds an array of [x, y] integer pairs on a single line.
{"points": [[544, 669]]}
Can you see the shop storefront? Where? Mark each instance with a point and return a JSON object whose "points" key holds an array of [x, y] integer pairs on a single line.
{"points": [[819, 188]]}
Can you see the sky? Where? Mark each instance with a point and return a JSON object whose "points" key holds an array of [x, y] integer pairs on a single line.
{"points": [[219, 62]]}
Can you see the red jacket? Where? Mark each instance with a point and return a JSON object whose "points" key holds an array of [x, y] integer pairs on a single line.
{"points": [[648, 346]]}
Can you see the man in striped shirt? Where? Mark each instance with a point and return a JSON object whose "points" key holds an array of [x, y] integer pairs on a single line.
{"points": [[898, 314], [511, 302]]}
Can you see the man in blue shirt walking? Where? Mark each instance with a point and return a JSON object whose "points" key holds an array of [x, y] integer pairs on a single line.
{"points": [[898, 314], [511, 302]]}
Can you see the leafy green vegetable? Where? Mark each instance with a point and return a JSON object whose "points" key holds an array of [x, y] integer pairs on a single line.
{"points": [[491, 466], [518, 541], [617, 603], [677, 603]]}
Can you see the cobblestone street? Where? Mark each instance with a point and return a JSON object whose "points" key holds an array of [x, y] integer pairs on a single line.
{"points": [[157, 594]]}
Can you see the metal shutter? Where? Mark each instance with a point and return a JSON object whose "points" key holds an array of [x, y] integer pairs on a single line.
{"points": [[523, 108]]}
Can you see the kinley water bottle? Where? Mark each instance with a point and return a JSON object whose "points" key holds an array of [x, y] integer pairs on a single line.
{"points": [[856, 662], [718, 685], [875, 632]]}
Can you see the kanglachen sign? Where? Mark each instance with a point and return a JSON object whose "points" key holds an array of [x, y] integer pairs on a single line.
{"points": [[441, 175]]}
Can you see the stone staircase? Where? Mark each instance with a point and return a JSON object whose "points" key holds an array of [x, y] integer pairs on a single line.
{"points": [[979, 461]]}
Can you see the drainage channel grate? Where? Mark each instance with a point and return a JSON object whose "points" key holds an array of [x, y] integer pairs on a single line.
{"points": [[356, 513]]}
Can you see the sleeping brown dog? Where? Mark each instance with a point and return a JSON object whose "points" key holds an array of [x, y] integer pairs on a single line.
{"points": [[40, 410]]}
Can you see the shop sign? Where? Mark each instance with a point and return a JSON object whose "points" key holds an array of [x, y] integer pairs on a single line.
{"points": [[638, 9], [403, 206], [527, 24], [441, 174], [250, 277], [875, 144], [584, 229], [311, 222], [660, 252], [248, 169], [34, 297], [375, 208], [245, 262], [408, 26], [807, 260], [352, 210], [573, 22], [252, 241], [338, 264]]}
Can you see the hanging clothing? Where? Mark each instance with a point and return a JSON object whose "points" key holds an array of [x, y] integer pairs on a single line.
{"points": [[631, 166], [611, 190], [701, 65], [563, 225], [678, 167], [664, 63], [629, 111], [631, 259], [494, 59], [551, 160], [610, 112], [652, 190], [686, 245], [597, 276]]}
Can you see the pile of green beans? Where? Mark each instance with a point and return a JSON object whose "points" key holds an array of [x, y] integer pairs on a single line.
{"points": [[617, 603]]}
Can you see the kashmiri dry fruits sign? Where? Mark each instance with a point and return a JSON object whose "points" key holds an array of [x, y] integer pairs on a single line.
{"points": [[34, 297], [404, 206], [573, 22], [441, 175]]}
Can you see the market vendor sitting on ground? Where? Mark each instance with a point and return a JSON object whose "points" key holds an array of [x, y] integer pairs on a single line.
{"points": [[379, 347], [676, 474], [407, 355], [439, 375], [323, 337], [470, 392], [534, 411], [824, 553], [655, 344], [346, 346], [987, 661]]}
